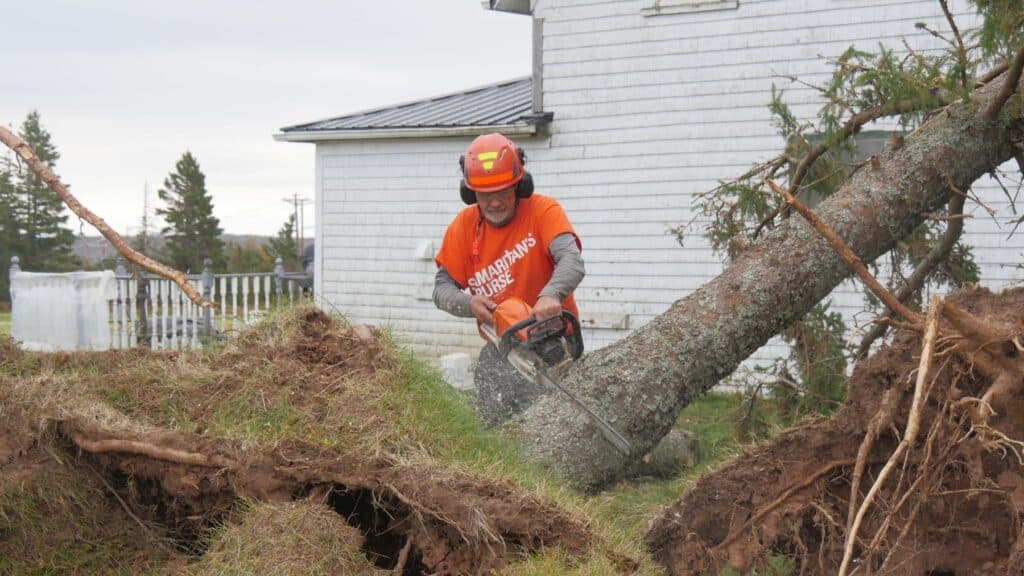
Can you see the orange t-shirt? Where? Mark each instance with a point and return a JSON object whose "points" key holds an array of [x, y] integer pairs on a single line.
{"points": [[512, 260]]}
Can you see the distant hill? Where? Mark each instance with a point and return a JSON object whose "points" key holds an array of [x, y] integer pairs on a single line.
{"points": [[93, 250]]}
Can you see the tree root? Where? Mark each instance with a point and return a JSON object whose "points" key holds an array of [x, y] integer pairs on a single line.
{"points": [[151, 451]]}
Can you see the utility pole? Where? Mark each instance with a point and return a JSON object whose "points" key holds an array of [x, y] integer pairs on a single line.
{"points": [[299, 206]]}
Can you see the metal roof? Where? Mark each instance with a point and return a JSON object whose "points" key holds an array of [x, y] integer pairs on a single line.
{"points": [[505, 105]]}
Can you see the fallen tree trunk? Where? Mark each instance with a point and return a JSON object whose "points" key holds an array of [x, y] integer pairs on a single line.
{"points": [[641, 383]]}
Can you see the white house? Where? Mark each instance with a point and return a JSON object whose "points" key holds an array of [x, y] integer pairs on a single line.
{"points": [[634, 107]]}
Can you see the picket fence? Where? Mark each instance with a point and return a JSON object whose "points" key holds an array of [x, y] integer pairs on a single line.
{"points": [[152, 311]]}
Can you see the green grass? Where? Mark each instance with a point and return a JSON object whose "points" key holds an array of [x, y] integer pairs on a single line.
{"points": [[424, 414], [5, 323]]}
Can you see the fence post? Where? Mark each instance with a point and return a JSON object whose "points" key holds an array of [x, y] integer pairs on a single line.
{"points": [[207, 282], [119, 275], [141, 300], [279, 279]]}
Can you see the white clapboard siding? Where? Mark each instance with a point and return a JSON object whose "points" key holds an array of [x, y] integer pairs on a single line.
{"points": [[649, 112]]}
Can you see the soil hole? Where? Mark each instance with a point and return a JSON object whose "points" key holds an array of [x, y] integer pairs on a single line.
{"points": [[377, 517]]}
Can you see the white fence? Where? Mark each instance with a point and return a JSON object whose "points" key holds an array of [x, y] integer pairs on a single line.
{"points": [[140, 309]]}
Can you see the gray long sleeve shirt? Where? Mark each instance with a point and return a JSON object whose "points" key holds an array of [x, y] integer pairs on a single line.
{"points": [[567, 275]]}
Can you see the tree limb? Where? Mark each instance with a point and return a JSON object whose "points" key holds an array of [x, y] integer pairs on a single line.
{"points": [[1008, 88], [846, 254], [961, 52], [25, 151], [939, 253]]}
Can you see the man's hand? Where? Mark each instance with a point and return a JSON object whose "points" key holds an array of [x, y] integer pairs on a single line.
{"points": [[481, 307], [546, 307]]}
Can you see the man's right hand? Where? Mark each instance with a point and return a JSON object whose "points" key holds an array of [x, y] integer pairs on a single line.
{"points": [[481, 307]]}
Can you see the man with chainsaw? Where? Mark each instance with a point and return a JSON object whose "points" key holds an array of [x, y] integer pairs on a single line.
{"points": [[508, 243]]}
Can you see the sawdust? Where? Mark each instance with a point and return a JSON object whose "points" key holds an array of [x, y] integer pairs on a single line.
{"points": [[790, 497]]}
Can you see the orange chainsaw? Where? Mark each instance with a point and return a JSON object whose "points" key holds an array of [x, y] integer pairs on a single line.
{"points": [[534, 346]]}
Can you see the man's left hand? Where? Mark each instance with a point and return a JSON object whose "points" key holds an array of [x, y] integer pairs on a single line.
{"points": [[546, 307]]}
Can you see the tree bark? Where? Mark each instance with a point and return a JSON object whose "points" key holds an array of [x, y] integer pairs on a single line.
{"points": [[641, 383]]}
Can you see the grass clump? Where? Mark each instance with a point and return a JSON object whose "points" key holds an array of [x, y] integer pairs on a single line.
{"points": [[57, 517], [292, 539]]}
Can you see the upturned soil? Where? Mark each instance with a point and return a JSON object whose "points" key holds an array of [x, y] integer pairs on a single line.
{"points": [[952, 505], [295, 419]]}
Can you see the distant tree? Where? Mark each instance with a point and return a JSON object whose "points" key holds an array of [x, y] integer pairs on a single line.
{"points": [[192, 231], [8, 232], [43, 242], [247, 257], [283, 246]]}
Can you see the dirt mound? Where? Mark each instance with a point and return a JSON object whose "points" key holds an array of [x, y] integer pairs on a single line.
{"points": [[950, 505], [290, 428]]}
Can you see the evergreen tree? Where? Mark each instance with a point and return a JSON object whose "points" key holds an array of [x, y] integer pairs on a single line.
{"points": [[43, 243], [8, 232], [283, 245], [192, 231]]}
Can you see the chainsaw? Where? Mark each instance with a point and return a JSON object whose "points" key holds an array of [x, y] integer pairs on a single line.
{"points": [[533, 347]]}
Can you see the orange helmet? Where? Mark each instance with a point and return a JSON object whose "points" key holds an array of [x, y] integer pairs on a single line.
{"points": [[491, 163]]}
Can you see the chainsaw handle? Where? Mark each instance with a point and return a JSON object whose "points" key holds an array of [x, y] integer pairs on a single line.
{"points": [[575, 342], [508, 338]]}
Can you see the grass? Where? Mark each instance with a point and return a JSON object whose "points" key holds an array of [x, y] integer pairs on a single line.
{"points": [[406, 408], [5, 323]]}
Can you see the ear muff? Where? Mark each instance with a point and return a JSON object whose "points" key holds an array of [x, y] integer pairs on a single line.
{"points": [[467, 195], [524, 188]]}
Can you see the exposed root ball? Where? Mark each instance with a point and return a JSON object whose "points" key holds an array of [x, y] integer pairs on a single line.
{"points": [[952, 504]]}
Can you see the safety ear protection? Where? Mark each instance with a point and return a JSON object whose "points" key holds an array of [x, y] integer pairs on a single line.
{"points": [[524, 188]]}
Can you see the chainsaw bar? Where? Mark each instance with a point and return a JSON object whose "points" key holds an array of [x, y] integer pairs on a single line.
{"points": [[531, 369]]}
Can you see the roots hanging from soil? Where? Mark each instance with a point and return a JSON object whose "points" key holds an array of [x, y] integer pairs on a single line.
{"points": [[920, 472], [148, 431], [414, 516]]}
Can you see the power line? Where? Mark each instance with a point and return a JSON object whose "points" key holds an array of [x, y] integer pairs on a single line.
{"points": [[299, 206]]}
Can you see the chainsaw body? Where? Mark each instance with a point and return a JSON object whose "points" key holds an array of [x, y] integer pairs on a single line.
{"points": [[556, 340], [532, 347]]}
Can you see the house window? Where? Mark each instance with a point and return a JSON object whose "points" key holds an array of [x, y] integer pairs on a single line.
{"points": [[659, 7]]}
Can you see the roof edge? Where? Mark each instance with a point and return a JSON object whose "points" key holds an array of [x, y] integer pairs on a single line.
{"points": [[299, 127], [397, 133]]}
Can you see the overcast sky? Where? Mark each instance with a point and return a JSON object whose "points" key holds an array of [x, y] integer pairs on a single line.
{"points": [[126, 86]]}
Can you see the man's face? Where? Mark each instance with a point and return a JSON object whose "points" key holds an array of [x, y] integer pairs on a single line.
{"points": [[498, 207]]}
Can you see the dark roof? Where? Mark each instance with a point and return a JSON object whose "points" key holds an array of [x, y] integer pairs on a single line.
{"points": [[504, 104]]}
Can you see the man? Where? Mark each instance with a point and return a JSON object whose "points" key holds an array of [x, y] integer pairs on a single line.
{"points": [[508, 242]]}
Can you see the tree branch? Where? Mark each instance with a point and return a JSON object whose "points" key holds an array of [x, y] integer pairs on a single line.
{"points": [[852, 126], [25, 151], [961, 52], [1008, 88], [846, 255], [939, 253]]}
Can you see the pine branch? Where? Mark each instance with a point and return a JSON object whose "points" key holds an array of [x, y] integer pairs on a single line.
{"points": [[25, 152], [923, 270], [847, 255], [961, 52], [1008, 88], [852, 126]]}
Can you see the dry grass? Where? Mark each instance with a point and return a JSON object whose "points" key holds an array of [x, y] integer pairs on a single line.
{"points": [[307, 377], [293, 539]]}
